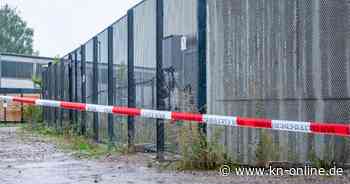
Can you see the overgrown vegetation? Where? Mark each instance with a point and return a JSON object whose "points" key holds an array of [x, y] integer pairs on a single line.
{"points": [[265, 150], [198, 152], [32, 114], [66, 139], [83, 147]]}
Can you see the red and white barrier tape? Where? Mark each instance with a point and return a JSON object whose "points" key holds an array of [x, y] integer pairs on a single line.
{"points": [[281, 125]]}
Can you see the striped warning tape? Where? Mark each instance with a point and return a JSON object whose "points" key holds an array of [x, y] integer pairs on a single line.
{"points": [[281, 125]]}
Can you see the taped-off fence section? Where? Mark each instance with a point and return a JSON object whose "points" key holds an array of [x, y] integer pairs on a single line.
{"points": [[282, 60], [276, 59], [281, 125]]}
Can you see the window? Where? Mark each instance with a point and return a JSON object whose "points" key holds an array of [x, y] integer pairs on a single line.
{"points": [[16, 69]]}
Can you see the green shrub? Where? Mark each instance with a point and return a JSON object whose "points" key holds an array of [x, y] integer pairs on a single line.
{"points": [[33, 114]]}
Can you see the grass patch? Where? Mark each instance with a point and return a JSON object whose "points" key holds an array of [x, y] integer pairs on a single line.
{"points": [[81, 146]]}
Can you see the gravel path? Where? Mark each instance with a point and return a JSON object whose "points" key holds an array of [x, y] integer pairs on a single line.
{"points": [[28, 159]]}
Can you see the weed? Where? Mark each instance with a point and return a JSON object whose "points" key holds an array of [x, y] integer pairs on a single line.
{"points": [[266, 150], [198, 152], [37, 81], [33, 115]]}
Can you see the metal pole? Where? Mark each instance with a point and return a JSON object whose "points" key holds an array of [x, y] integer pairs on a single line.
{"points": [[95, 86], [83, 88], [56, 78], [131, 80], [49, 92], [160, 78], [76, 87], [61, 90], [202, 74], [70, 86], [111, 84], [43, 89]]}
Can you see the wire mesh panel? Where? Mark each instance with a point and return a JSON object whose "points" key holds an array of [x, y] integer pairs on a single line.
{"points": [[89, 87], [145, 68], [180, 63], [102, 82], [281, 60], [120, 76]]}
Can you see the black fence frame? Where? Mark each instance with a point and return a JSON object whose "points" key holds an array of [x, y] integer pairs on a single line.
{"points": [[73, 63]]}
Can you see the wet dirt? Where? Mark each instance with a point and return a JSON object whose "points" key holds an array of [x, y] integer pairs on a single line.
{"points": [[29, 159]]}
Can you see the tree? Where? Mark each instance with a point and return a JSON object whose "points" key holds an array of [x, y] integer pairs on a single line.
{"points": [[15, 36]]}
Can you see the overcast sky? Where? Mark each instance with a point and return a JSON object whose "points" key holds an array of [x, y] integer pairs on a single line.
{"points": [[62, 25]]}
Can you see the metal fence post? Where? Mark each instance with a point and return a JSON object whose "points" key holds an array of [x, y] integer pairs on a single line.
{"points": [[46, 93], [56, 79], [61, 91], [83, 88], [111, 83], [202, 67], [43, 96], [76, 88], [131, 80], [160, 78], [70, 86], [95, 86], [49, 93]]}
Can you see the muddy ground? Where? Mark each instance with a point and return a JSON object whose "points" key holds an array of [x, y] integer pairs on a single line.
{"points": [[29, 159]]}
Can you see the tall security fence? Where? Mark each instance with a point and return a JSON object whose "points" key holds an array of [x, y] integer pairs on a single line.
{"points": [[264, 58], [146, 59], [282, 60]]}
